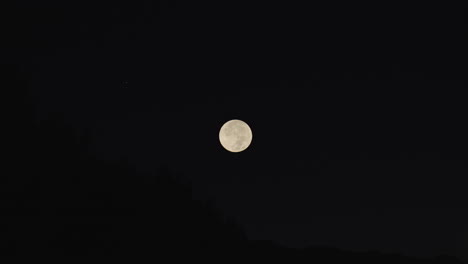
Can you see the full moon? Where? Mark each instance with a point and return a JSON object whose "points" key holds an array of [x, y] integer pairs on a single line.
{"points": [[235, 135]]}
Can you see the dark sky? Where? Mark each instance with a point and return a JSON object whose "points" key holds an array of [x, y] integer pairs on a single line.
{"points": [[356, 111]]}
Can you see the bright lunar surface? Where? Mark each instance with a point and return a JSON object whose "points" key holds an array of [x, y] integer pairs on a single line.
{"points": [[235, 135]]}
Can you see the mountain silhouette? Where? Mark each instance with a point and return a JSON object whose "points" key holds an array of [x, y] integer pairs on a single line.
{"points": [[59, 199]]}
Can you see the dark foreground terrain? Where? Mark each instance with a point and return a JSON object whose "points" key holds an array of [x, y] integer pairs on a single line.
{"points": [[58, 199]]}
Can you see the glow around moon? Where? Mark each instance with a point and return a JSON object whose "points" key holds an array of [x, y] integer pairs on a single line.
{"points": [[235, 135]]}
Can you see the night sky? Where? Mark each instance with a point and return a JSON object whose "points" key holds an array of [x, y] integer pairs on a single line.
{"points": [[356, 112]]}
